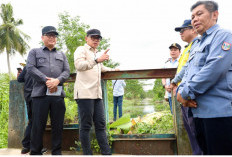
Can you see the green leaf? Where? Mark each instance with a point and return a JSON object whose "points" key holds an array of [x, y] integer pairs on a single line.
{"points": [[123, 120]]}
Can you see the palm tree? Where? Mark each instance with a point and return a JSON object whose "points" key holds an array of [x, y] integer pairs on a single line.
{"points": [[11, 38]]}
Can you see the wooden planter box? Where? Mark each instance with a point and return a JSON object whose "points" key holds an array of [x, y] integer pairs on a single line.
{"points": [[159, 144]]}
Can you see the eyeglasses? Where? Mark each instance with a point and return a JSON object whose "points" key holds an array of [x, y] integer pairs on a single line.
{"points": [[184, 29], [50, 35], [96, 37]]}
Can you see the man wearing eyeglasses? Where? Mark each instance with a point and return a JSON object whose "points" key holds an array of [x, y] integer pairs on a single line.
{"points": [[49, 69], [88, 92], [189, 35]]}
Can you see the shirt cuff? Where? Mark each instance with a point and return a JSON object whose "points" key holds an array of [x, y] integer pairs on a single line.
{"points": [[174, 81], [187, 94], [93, 63]]}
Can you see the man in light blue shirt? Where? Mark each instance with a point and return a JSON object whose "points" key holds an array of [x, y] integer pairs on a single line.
{"points": [[118, 92], [207, 85]]}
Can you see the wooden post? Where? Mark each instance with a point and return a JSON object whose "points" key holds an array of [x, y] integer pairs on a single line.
{"points": [[17, 115], [183, 144]]}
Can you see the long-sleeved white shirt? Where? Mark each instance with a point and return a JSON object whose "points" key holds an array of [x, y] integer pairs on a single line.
{"points": [[88, 74]]}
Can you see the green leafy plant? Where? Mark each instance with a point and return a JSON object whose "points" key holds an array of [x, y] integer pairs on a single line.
{"points": [[71, 111], [123, 120], [4, 109]]}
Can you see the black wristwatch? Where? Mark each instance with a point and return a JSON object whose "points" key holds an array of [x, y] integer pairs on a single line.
{"points": [[163, 85], [96, 60]]}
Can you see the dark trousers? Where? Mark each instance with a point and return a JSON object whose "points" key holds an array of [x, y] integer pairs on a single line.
{"points": [[117, 104], [27, 134], [190, 128], [41, 107], [92, 111], [214, 135]]}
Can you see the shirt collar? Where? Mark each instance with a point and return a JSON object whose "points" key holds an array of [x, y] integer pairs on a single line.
{"points": [[45, 48], [195, 39], [211, 30], [90, 48], [174, 60]]}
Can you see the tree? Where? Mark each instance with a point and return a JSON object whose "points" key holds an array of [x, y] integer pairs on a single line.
{"points": [[12, 39], [158, 90], [134, 89]]}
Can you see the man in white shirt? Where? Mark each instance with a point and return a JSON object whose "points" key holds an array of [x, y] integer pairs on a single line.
{"points": [[175, 50], [88, 92], [118, 92]]}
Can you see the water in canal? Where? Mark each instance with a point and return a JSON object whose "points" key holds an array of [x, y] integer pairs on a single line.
{"points": [[146, 106]]}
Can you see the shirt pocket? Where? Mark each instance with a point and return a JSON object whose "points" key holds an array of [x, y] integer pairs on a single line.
{"points": [[59, 60], [41, 60], [229, 78], [200, 56]]}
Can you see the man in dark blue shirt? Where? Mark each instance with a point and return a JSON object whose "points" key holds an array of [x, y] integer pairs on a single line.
{"points": [[49, 69]]}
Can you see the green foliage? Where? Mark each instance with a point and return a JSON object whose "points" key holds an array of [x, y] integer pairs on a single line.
{"points": [[149, 94], [71, 111], [110, 63], [68, 89], [164, 106], [134, 89], [161, 125], [109, 92], [122, 120], [71, 35], [12, 39], [4, 109], [159, 122], [158, 90]]}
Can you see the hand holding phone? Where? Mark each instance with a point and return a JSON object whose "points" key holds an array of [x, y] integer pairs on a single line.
{"points": [[19, 70]]}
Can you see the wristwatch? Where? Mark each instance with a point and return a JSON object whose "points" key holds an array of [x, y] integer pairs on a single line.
{"points": [[95, 59], [164, 85]]}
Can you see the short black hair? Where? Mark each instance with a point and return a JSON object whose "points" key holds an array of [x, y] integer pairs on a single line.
{"points": [[211, 6]]}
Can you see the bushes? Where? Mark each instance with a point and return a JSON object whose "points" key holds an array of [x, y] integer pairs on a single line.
{"points": [[4, 109]]}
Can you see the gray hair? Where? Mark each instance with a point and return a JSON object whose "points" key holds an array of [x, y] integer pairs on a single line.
{"points": [[211, 6]]}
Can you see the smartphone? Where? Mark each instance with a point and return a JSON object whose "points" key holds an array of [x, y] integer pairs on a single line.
{"points": [[19, 69]]}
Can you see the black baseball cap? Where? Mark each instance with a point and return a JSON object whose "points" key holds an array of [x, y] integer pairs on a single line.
{"points": [[92, 32], [176, 45], [49, 29], [187, 23]]}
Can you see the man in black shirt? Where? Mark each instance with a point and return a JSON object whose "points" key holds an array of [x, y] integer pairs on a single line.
{"points": [[28, 83]]}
